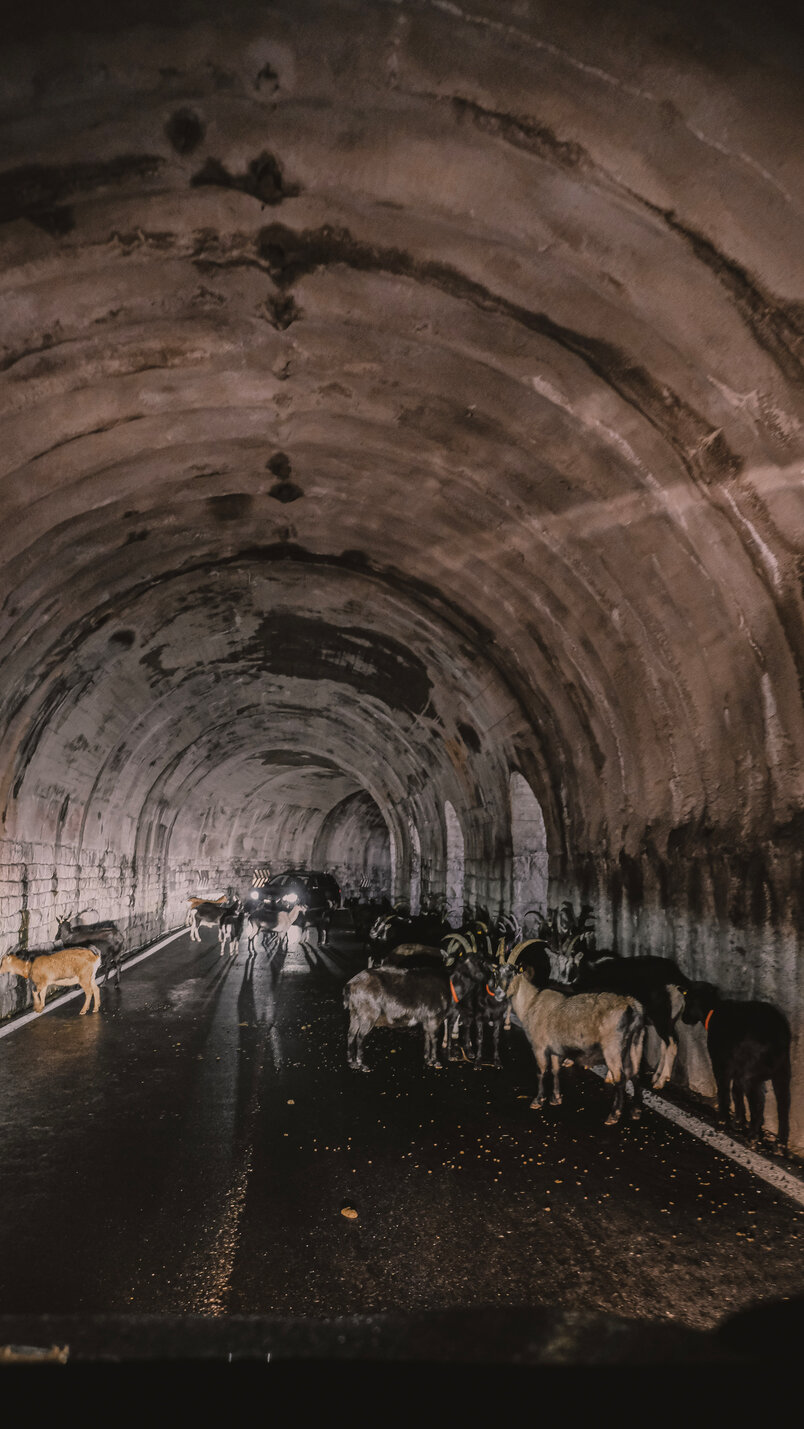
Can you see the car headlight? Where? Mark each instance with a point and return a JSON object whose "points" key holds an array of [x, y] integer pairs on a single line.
{"points": [[290, 899], [253, 894]]}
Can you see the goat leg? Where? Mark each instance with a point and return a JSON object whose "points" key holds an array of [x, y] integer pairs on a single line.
{"points": [[555, 1095], [431, 1048], [538, 1100], [780, 1082], [723, 1096], [496, 1028], [756, 1103], [354, 1049], [619, 1098], [480, 1027], [635, 1108]]}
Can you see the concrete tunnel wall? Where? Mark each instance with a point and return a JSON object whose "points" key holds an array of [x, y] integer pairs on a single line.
{"points": [[399, 398]]}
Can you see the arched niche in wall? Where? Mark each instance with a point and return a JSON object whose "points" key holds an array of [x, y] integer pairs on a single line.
{"points": [[529, 871], [415, 896], [455, 866]]}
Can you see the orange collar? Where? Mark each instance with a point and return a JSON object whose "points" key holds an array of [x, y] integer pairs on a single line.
{"points": [[708, 1019], [452, 990]]}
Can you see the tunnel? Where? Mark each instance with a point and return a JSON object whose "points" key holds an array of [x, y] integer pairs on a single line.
{"points": [[402, 468]]}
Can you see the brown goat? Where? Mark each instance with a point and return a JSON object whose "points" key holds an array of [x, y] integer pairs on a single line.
{"points": [[61, 969], [589, 1023]]}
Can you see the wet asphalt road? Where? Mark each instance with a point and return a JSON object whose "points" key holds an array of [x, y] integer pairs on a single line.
{"points": [[188, 1151]]}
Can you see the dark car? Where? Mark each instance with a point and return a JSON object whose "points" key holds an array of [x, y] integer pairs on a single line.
{"points": [[318, 892]]}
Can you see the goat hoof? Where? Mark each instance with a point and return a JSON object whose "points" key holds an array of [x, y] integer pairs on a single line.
{"points": [[636, 1113], [612, 1119], [536, 1104]]}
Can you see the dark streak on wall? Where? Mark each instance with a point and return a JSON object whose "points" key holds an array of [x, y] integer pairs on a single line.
{"points": [[703, 451]]}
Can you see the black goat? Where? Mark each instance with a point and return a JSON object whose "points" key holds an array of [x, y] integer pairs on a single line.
{"points": [[748, 1044], [395, 997], [477, 1005], [658, 983], [230, 930], [106, 937], [365, 915], [411, 955], [399, 927]]}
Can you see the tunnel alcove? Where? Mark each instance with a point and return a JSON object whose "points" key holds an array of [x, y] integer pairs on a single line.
{"points": [[401, 465]]}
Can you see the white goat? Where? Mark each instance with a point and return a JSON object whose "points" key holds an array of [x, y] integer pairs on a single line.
{"points": [[559, 1026], [209, 915], [61, 969], [288, 934]]}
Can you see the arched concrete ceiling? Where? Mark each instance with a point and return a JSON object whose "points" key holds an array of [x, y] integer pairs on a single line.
{"points": [[395, 395]]}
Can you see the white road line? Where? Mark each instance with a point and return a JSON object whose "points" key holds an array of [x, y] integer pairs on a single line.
{"points": [[68, 996], [768, 1170]]}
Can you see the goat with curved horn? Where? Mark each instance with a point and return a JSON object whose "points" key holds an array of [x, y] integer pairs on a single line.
{"points": [[461, 940]]}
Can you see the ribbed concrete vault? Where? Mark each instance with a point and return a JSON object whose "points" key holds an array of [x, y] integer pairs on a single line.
{"points": [[397, 398]]}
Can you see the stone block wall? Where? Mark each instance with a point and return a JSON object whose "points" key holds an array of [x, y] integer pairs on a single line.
{"points": [[39, 881], [747, 953]]}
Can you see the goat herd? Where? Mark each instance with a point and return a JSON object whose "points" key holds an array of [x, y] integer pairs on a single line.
{"points": [[573, 1001], [85, 950]]}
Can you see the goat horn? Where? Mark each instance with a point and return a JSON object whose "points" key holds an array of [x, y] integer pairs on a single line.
{"points": [[517, 949], [456, 938]]}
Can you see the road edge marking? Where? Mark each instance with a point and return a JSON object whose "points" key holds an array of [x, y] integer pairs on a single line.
{"points": [[743, 1155], [767, 1170], [15, 1022]]}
